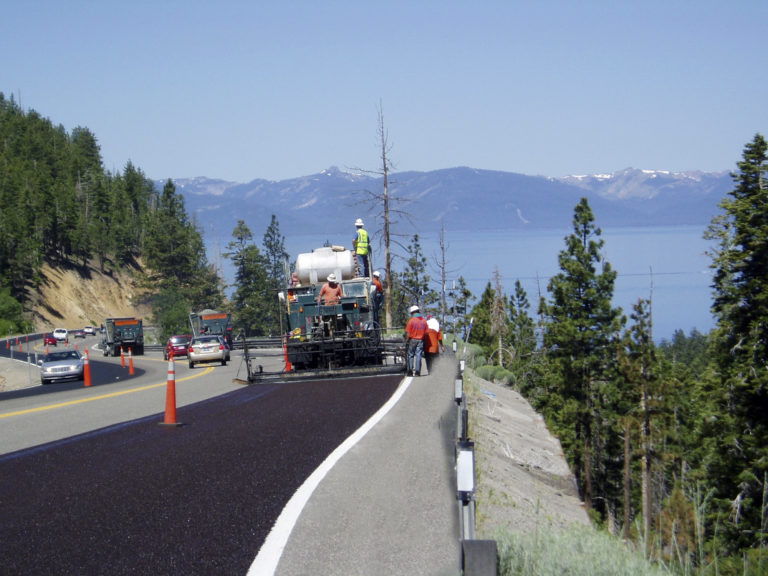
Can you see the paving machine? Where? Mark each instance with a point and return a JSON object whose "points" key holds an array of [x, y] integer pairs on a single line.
{"points": [[331, 340]]}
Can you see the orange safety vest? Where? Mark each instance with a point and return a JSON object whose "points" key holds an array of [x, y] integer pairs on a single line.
{"points": [[416, 328]]}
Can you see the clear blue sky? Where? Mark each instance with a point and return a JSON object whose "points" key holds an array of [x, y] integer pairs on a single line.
{"points": [[256, 89]]}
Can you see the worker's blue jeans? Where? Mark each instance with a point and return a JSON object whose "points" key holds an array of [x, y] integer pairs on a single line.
{"points": [[415, 349]]}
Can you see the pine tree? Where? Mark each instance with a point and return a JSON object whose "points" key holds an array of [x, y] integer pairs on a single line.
{"points": [[580, 327], [735, 432], [275, 254], [252, 301]]}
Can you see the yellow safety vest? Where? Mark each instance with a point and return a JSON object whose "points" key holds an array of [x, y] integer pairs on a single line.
{"points": [[361, 246]]}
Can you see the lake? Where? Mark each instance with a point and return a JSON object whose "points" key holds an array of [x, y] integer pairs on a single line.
{"points": [[666, 263]]}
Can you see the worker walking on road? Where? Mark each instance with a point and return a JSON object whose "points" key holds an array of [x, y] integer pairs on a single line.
{"points": [[415, 330], [362, 246], [433, 342]]}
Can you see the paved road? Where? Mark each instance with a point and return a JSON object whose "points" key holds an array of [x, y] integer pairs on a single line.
{"points": [[135, 497]]}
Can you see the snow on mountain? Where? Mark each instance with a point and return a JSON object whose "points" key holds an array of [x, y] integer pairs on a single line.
{"points": [[458, 198]]}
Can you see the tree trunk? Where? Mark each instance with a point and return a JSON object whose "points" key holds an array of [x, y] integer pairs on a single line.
{"points": [[627, 481]]}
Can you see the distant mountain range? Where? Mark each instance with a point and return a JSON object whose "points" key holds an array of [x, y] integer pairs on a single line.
{"points": [[458, 198]]}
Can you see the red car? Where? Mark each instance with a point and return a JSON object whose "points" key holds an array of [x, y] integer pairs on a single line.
{"points": [[179, 345], [49, 340]]}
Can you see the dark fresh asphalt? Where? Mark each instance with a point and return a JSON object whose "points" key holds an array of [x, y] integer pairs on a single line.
{"points": [[139, 498]]}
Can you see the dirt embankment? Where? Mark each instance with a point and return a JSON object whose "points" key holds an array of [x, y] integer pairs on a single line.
{"points": [[523, 479], [73, 297]]}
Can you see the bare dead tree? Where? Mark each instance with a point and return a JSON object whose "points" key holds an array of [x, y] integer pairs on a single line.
{"points": [[441, 263], [386, 210], [499, 323]]}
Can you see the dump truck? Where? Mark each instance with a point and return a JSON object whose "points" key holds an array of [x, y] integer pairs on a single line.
{"points": [[123, 333], [212, 322]]}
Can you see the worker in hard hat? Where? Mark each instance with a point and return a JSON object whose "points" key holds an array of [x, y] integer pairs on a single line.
{"points": [[362, 246], [377, 295], [415, 330], [331, 292]]}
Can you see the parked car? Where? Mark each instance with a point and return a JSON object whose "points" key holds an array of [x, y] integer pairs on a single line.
{"points": [[49, 340], [207, 349], [90, 330], [60, 334], [179, 345], [61, 365], [78, 333]]}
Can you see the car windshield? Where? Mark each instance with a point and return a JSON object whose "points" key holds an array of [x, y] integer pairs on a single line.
{"points": [[179, 340], [66, 355], [206, 340]]}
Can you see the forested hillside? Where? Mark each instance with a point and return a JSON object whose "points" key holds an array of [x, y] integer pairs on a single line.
{"points": [[669, 443], [60, 207]]}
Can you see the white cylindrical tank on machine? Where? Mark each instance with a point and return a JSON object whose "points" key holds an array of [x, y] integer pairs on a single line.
{"points": [[314, 267]]}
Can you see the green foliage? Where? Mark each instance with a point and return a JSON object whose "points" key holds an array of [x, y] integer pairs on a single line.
{"points": [[578, 551], [580, 325], [60, 206], [253, 302], [689, 353], [277, 270], [171, 312], [734, 398], [11, 314], [414, 281]]}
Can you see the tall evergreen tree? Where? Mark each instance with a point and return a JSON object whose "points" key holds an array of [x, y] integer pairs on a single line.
{"points": [[251, 300], [275, 255], [415, 281], [735, 431], [580, 326]]}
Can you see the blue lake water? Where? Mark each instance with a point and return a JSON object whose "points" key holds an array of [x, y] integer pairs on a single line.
{"points": [[668, 264]]}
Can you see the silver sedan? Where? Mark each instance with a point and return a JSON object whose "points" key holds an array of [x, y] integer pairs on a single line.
{"points": [[207, 349], [61, 365]]}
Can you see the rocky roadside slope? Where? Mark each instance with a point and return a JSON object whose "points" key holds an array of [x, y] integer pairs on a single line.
{"points": [[523, 480], [70, 298]]}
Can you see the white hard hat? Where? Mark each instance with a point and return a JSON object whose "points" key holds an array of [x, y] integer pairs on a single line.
{"points": [[413, 309], [377, 273], [359, 222], [331, 277]]}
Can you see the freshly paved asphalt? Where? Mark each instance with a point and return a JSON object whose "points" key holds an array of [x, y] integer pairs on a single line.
{"points": [[389, 505], [139, 498]]}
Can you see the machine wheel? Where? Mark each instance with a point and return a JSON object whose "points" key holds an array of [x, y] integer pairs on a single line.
{"points": [[223, 361], [191, 364]]}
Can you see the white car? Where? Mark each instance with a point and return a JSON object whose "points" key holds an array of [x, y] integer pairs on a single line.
{"points": [[60, 334], [61, 365], [89, 330]]}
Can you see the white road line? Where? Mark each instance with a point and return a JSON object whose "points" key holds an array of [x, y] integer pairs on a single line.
{"points": [[269, 555]]}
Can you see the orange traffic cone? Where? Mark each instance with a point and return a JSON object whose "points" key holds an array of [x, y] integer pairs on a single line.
{"points": [[122, 357], [288, 366], [47, 350], [170, 396], [7, 344], [19, 341], [130, 362], [86, 369]]}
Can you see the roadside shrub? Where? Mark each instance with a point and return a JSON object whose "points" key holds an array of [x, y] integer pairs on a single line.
{"points": [[578, 551]]}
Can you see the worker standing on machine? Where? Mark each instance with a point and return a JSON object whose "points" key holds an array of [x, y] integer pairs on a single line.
{"points": [[377, 295], [331, 293], [362, 246]]}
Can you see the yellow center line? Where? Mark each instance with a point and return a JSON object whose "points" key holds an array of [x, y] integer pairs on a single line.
{"points": [[101, 397]]}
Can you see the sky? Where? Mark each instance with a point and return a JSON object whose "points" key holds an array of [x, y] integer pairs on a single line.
{"points": [[241, 90]]}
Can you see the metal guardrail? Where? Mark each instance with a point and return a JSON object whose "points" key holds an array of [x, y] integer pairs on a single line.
{"points": [[478, 557], [236, 345]]}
